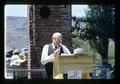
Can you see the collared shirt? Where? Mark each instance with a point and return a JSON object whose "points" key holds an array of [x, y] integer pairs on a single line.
{"points": [[45, 58]]}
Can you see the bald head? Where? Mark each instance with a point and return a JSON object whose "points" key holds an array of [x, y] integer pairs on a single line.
{"points": [[57, 38], [56, 35]]}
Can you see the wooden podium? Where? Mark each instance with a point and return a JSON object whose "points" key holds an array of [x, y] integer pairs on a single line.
{"points": [[73, 66]]}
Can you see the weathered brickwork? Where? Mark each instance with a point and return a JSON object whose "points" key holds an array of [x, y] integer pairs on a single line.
{"points": [[41, 30]]}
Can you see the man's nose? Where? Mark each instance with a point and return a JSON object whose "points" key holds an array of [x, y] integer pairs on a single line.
{"points": [[57, 40]]}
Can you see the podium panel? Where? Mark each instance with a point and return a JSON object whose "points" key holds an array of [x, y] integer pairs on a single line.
{"points": [[73, 66]]}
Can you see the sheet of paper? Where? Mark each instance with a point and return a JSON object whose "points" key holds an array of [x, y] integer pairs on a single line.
{"points": [[74, 74]]}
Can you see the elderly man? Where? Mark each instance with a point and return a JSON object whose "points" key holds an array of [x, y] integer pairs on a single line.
{"points": [[50, 51]]}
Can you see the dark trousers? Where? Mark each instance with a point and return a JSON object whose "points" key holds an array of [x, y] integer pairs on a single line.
{"points": [[49, 70]]}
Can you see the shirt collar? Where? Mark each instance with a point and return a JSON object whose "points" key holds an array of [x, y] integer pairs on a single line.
{"points": [[53, 46]]}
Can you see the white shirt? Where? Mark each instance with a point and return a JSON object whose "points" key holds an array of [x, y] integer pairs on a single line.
{"points": [[15, 63], [45, 58], [15, 60]]}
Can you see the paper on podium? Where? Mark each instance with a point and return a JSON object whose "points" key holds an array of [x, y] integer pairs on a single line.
{"points": [[77, 52]]}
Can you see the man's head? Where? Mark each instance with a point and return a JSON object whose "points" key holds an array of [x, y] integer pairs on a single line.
{"points": [[57, 38]]}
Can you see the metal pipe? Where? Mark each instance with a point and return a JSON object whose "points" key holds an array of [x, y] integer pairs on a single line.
{"points": [[28, 70]]}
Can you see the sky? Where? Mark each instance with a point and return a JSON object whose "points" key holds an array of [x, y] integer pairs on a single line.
{"points": [[16, 10], [78, 10], [21, 10]]}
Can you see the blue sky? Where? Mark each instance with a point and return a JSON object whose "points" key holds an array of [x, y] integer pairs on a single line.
{"points": [[21, 10], [16, 10], [78, 10]]}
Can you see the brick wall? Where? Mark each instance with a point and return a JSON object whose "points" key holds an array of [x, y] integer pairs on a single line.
{"points": [[41, 30]]}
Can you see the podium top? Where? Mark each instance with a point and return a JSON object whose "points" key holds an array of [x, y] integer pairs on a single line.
{"points": [[68, 63], [79, 54]]}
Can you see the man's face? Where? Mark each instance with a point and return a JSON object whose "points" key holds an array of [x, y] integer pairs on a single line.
{"points": [[57, 40]]}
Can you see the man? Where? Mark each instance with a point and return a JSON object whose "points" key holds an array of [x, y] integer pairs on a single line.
{"points": [[23, 65], [14, 59], [19, 61], [50, 51]]}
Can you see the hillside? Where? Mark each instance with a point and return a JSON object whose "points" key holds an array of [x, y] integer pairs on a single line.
{"points": [[16, 32]]}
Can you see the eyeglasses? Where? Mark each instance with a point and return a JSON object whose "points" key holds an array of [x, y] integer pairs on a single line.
{"points": [[58, 39]]}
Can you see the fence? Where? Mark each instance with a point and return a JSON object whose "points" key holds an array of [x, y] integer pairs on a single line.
{"points": [[41, 71]]}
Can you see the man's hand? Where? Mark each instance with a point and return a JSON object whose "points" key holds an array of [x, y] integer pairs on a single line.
{"points": [[57, 52]]}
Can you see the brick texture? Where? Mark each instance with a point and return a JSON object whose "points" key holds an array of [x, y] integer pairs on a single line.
{"points": [[41, 30]]}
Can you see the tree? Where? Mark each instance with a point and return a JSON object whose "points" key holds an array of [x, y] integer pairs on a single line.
{"points": [[100, 28]]}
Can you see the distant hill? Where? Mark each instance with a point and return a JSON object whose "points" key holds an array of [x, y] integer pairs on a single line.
{"points": [[16, 33]]}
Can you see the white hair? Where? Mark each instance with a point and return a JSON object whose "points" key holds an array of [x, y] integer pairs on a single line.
{"points": [[57, 34]]}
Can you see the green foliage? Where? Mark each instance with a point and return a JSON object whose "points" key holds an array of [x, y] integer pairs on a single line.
{"points": [[100, 27], [85, 44], [80, 43], [100, 17]]}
